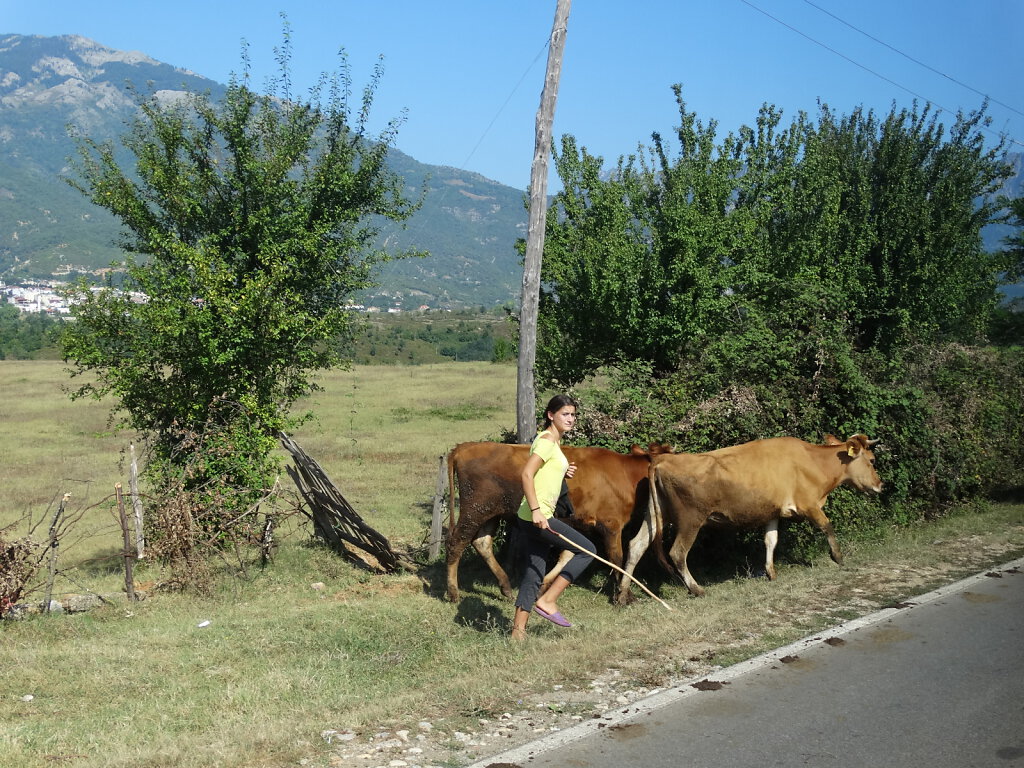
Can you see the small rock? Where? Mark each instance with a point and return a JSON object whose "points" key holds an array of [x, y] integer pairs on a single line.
{"points": [[81, 603], [425, 726], [202, 624], [27, 697], [318, 586], [403, 735]]}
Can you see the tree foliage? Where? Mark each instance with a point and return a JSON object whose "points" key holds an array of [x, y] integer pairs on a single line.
{"points": [[869, 226], [796, 279], [26, 335], [248, 225]]}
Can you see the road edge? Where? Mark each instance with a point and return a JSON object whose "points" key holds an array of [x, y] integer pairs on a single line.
{"points": [[684, 688]]}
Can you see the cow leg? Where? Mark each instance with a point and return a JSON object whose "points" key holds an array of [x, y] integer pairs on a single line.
{"points": [[637, 547], [613, 551], [771, 538], [456, 545], [563, 557], [686, 533], [825, 526], [482, 538], [483, 543]]}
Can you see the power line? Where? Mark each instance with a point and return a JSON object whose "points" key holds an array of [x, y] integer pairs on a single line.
{"points": [[868, 69], [505, 103], [916, 61]]}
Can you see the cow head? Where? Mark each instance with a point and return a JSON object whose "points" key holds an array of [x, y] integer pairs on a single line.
{"points": [[859, 460]]}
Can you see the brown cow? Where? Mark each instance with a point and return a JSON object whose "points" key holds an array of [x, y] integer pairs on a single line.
{"points": [[605, 491], [749, 485]]}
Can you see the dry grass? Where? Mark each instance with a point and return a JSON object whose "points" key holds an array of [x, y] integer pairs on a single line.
{"points": [[380, 431], [281, 662]]}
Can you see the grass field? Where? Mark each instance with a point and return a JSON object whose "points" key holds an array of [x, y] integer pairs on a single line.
{"points": [[281, 662]]}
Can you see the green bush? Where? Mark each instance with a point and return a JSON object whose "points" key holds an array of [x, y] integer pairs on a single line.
{"points": [[948, 418]]}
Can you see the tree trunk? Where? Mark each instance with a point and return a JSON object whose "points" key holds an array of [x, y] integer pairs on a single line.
{"points": [[526, 416]]}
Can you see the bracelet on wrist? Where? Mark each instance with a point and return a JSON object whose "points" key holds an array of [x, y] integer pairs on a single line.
{"points": [[535, 509]]}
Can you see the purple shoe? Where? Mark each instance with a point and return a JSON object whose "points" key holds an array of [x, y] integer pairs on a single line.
{"points": [[554, 618]]}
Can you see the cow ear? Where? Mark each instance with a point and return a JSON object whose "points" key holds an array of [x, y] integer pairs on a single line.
{"points": [[636, 450], [852, 450], [861, 440], [831, 439]]}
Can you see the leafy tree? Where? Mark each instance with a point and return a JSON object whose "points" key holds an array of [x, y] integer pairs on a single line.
{"points": [[747, 258], [794, 279], [1008, 324], [248, 224], [1014, 253], [26, 335]]}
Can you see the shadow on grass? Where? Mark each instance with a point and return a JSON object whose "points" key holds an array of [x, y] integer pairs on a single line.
{"points": [[108, 561], [475, 614]]}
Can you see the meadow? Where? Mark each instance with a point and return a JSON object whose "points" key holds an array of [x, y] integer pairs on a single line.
{"points": [[254, 672]]}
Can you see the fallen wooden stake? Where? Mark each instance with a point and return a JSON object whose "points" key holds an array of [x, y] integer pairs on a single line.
{"points": [[611, 565]]}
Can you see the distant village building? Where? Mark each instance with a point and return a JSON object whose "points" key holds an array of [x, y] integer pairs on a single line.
{"points": [[34, 298]]}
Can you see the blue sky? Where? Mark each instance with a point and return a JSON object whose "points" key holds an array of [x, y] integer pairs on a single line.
{"points": [[469, 72]]}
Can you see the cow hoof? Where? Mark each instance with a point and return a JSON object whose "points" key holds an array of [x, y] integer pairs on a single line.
{"points": [[622, 600]]}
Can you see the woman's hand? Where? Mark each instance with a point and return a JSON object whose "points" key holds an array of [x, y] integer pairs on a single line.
{"points": [[571, 470], [539, 519]]}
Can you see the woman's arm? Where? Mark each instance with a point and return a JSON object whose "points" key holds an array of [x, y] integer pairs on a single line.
{"points": [[533, 464]]}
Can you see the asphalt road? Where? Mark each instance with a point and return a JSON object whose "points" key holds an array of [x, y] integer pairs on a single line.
{"points": [[937, 681]]}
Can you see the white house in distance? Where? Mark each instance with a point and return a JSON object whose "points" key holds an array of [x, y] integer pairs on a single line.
{"points": [[34, 298]]}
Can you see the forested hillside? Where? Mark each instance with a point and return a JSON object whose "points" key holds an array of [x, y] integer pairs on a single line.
{"points": [[468, 224]]}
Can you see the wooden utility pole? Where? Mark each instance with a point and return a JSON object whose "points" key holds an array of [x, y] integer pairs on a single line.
{"points": [[526, 417]]}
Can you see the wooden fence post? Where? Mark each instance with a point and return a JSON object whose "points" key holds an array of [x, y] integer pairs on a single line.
{"points": [[54, 543], [437, 518], [129, 580], [133, 489]]}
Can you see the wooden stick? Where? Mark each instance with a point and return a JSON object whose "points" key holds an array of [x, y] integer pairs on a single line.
{"points": [[129, 579], [612, 565]]}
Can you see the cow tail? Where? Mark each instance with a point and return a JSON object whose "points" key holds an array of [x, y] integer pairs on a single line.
{"points": [[451, 491], [654, 510]]}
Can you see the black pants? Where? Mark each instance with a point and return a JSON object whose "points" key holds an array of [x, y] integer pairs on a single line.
{"points": [[563, 507], [536, 544]]}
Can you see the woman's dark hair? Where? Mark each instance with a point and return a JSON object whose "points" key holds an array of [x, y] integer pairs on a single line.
{"points": [[555, 404]]}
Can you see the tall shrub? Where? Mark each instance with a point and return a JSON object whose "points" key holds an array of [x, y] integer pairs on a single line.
{"points": [[248, 223]]}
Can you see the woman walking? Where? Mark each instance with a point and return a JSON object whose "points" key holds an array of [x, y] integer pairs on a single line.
{"points": [[542, 482]]}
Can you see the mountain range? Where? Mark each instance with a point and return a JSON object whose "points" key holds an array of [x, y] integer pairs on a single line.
{"points": [[469, 224]]}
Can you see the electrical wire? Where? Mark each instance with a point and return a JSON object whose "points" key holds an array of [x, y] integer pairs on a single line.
{"points": [[843, 56], [916, 61]]}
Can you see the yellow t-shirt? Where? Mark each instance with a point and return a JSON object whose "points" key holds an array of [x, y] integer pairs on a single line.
{"points": [[548, 480]]}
